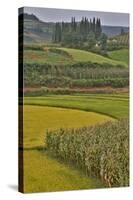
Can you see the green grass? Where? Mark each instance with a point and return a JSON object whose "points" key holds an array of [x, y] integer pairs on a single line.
{"points": [[111, 105], [42, 173], [41, 57], [37, 119], [120, 55], [85, 56]]}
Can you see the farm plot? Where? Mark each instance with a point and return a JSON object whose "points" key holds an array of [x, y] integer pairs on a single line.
{"points": [[100, 150], [42, 173], [111, 105]]}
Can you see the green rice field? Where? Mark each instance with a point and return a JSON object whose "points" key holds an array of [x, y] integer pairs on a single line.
{"points": [[41, 171]]}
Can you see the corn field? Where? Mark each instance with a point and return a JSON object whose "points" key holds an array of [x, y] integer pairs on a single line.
{"points": [[100, 151]]}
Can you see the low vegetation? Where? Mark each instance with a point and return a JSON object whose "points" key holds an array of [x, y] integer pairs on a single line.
{"points": [[45, 174], [74, 139], [38, 56], [117, 42], [108, 104], [101, 151], [85, 56], [121, 55], [44, 55], [41, 172]]}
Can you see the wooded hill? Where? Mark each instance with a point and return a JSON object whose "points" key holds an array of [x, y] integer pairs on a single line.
{"points": [[36, 31]]}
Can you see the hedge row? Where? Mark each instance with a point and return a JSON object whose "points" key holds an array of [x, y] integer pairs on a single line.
{"points": [[55, 82]]}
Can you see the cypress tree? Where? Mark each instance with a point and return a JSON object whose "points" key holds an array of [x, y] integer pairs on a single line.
{"points": [[81, 25], [98, 28], [58, 32], [74, 24], [93, 25], [85, 26], [88, 26]]}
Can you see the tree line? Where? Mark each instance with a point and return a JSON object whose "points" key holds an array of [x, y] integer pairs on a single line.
{"points": [[84, 27], [84, 34]]}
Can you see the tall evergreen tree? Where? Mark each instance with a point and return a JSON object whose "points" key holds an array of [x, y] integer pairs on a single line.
{"points": [[93, 25], [82, 25], [85, 26], [98, 28], [74, 24], [57, 32], [77, 31]]}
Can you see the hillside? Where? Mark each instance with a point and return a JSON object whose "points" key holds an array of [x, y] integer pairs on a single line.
{"points": [[72, 68], [121, 55], [62, 56], [85, 56], [121, 39], [36, 31], [111, 31]]}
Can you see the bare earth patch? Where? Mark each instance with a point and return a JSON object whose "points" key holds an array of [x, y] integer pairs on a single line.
{"points": [[83, 90]]}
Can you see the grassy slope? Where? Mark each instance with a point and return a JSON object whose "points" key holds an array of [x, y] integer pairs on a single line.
{"points": [[120, 55], [84, 56], [116, 106], [40, 57], [42, 173]]}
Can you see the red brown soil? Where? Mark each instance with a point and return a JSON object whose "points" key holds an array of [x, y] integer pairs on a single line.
{"points": [[83, 90]]}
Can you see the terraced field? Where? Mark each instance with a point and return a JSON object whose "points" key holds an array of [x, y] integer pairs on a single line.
{"points": [[43, 173]]}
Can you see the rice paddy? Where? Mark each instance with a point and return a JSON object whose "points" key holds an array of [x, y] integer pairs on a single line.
{"points": [[41, 171]]}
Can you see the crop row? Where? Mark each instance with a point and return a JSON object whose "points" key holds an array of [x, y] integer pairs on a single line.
{"points": [[80, 74], [48, 81], [100, 151]]}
